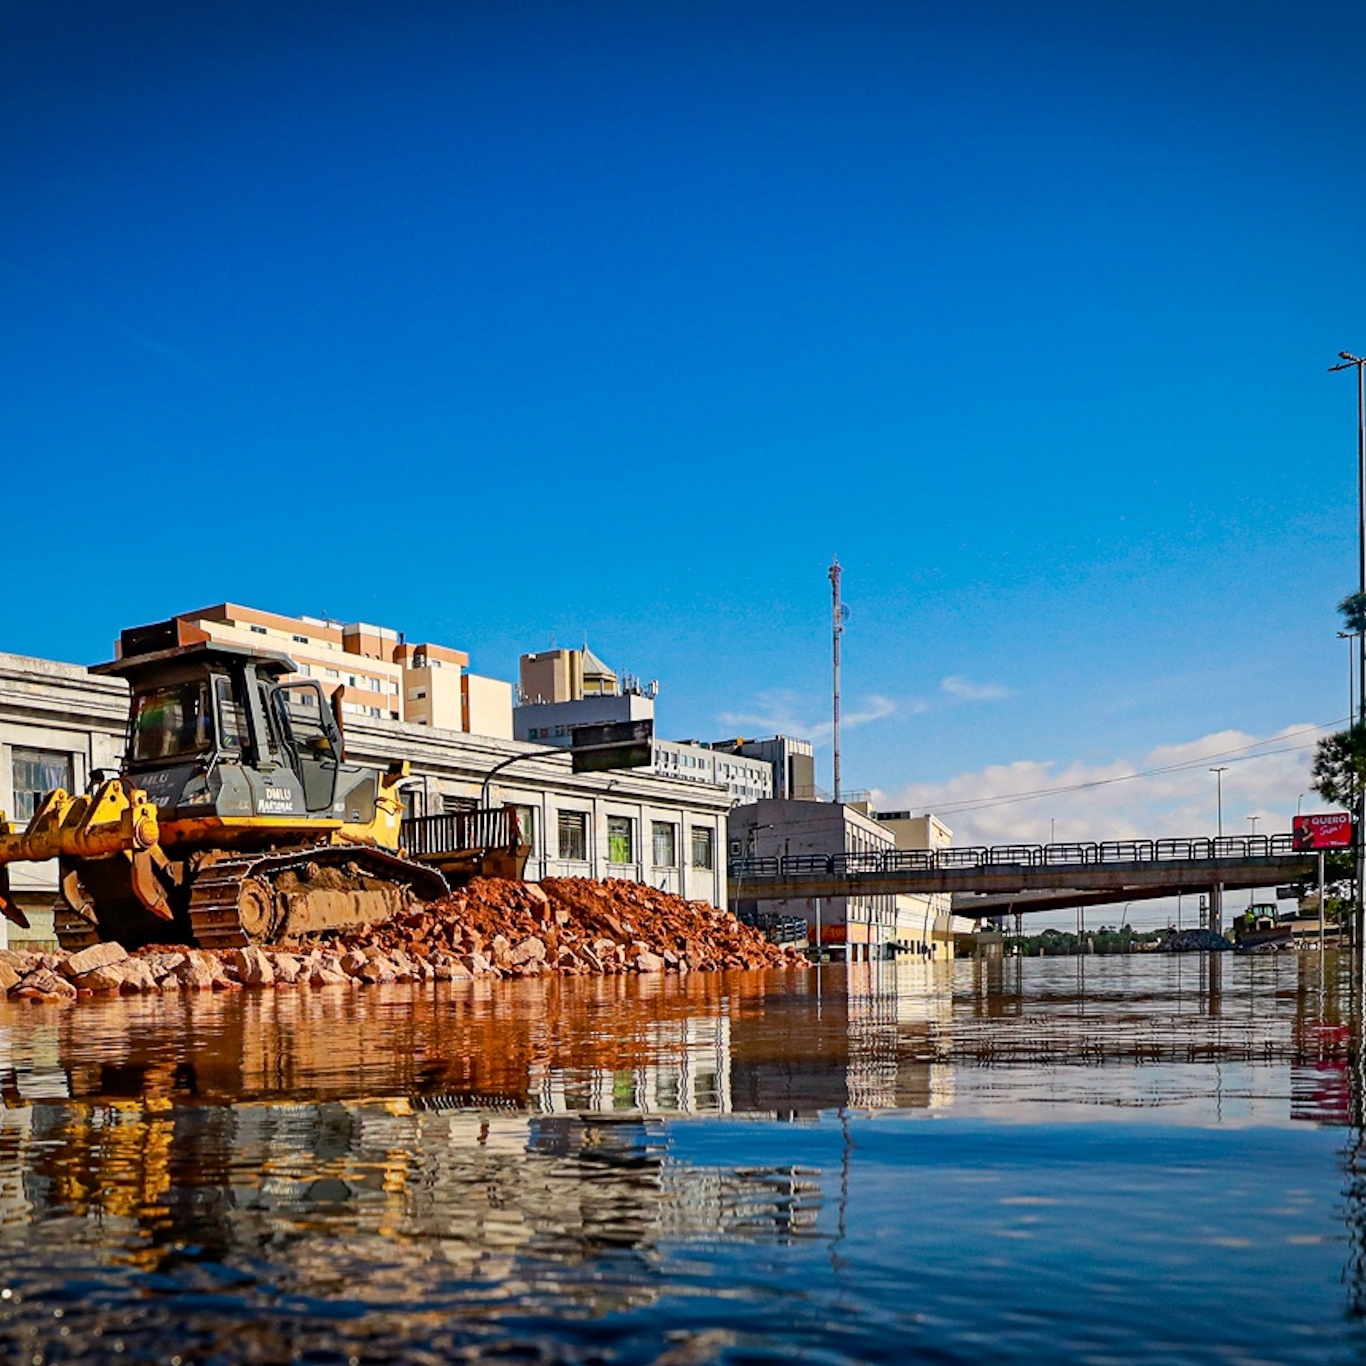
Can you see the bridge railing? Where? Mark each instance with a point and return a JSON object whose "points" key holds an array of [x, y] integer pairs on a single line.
{"points": [[1069, 855]]}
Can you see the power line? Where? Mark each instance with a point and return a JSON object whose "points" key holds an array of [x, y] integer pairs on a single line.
{"points": [[1238, 755]]}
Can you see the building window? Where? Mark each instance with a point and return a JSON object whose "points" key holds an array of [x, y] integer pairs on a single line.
{"points": [[526, 824], [259, 630], [664, 844], [573, 832], [332, 673], [620, 845], [703, 855], [37, 772], [303, 640]]}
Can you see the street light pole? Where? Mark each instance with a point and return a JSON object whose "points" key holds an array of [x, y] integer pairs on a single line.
{"points": [[1358, 363], [1348, 362], [1219, 796]]}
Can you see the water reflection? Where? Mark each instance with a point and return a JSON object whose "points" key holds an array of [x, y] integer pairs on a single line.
{"points": [[401, 1171]]}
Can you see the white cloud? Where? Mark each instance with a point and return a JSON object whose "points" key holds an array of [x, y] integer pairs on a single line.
{"points": [[778, 713], [1019, 801], [965, 690]]}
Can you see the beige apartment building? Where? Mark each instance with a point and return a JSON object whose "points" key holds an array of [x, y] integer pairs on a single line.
{"points": [[381, 675]]}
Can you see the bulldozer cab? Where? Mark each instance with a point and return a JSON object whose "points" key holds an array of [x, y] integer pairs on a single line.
{"points": [[210, 725]]}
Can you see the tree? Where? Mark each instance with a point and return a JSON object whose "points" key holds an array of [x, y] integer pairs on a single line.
{"points": [[1340, 767], [1353, 609]]}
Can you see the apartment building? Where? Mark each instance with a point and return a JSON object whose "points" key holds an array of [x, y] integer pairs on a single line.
{"points": [[381, 675]]}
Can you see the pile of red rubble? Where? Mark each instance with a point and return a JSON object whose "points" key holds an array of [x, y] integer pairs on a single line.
{"points": [[491, 928]]}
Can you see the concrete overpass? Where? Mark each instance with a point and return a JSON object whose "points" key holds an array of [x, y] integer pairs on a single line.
{"points": [[1015, 878]]}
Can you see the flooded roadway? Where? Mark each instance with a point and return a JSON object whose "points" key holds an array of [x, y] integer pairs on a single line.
{"points": [[1108, 1159]]}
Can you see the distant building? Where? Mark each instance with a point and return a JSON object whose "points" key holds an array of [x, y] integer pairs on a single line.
{"points": [[927, 833], [381, 675], [791, 761], [856, 927], [747, 780], [562, 689]]}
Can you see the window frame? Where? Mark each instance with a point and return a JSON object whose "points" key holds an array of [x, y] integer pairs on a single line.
{"points": [[669, 830], [571, 822], [710, 840], [39, 755], [619, 827]]}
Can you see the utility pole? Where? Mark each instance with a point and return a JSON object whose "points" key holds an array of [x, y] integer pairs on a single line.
{"points": [[837, 617], [1348, 362]]}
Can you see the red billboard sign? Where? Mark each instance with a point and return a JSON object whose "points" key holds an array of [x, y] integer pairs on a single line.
{"points": [[1331, 830]]}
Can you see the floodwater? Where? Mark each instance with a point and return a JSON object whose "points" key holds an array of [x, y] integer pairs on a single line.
{"points": [[1093, 1160]]}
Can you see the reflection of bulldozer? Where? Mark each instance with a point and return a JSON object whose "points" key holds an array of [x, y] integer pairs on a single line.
{"points": [[236, 818]]}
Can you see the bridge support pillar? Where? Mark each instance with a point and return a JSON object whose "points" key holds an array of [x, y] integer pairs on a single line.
{"points": [[1216, 908]]}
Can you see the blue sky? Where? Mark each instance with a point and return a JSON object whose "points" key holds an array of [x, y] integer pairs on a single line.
{"points": [[498, 323]]}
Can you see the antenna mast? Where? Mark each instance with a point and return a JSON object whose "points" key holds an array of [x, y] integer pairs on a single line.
{"points": [[836, 631]]}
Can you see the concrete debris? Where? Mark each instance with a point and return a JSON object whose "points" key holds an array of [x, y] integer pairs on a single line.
{"points": [[1194, 941], [489, 929], [96, 956]]}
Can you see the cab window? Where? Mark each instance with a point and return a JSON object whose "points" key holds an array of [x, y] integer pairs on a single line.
{"points": [[232, 719], [171, 722]]}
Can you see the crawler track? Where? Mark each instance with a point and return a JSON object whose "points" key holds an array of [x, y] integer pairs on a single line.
{"points": [[240, 901]]}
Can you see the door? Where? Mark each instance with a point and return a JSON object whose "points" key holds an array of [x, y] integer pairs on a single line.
{"points": [[314, 745]]}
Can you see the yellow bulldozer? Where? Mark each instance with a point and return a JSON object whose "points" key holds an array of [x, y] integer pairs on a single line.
{"points": [[235, 818]]}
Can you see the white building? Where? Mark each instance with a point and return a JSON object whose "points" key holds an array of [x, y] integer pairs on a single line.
{"points": [[59, 723]]}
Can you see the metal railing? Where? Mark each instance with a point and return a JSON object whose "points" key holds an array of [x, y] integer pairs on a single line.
{"points": [[777, 929], [452, 832], [1082, 855]]}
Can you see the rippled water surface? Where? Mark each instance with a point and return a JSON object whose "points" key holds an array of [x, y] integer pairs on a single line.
{"points": [[1103, 1160]]}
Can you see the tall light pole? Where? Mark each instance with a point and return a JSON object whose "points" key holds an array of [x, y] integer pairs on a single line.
{"points": [[837, 619], [1349, 362], [1358, 363], [1219, 796], [1349, 637]]}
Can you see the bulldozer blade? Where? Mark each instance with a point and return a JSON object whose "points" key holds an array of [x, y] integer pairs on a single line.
{"points": [[73, 894], [147, 886], [8, 909]]}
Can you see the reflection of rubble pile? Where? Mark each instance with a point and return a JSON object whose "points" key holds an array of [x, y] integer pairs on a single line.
{"points": [[492, 928]]}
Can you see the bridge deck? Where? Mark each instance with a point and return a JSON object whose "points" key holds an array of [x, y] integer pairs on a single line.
{"points": [[1093, 872]]}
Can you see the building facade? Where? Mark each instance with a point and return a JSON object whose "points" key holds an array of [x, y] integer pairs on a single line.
{"points": [[381, 675], [59, 724], [856, 927], [859, 928], [791, 762]]}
